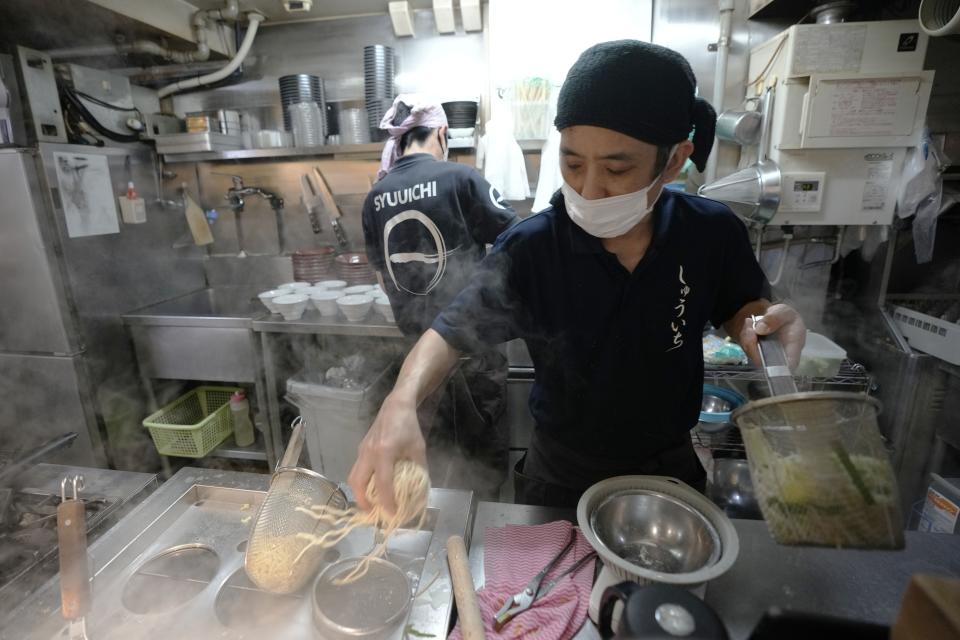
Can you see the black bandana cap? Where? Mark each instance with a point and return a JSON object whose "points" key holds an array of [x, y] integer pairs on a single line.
{"points": [[642, 90]]}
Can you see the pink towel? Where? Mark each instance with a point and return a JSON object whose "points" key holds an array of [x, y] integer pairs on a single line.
{"points": [[512, 556]]}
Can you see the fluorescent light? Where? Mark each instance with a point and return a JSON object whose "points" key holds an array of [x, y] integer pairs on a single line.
{"points": [[443, 13], [401, 18], [470, 13]]}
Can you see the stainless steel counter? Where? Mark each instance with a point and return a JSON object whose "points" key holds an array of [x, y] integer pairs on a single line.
{"points": [[313, 322], [117, 491], [125, 486], [865, 585], [226, 501]]}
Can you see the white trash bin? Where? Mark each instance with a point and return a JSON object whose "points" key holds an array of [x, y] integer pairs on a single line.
{"points": [[337, 419]]}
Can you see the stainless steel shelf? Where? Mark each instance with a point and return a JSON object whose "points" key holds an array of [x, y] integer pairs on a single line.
{"points": [[851, 374], [313, 322], [233, 452], [852, 377], [728, 441], [341, 150]]}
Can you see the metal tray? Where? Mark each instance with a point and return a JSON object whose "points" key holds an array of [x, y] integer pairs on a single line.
{"points": [[182, 576]]}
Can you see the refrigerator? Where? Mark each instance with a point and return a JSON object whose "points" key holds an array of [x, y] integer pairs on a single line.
{"points": [[66, 361], [44, 384]]}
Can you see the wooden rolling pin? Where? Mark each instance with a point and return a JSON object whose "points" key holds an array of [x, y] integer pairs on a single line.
{"points": [[471, 624]]}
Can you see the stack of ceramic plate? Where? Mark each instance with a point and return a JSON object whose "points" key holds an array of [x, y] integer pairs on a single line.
{"points": [[301, 87], [354, 268], [313, 265], [379, 69]]}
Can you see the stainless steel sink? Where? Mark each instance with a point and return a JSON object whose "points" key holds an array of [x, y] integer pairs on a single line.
{"points": [[214, 307], [204, 335]]}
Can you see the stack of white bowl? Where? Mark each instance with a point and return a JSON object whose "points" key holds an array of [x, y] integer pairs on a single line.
{"points": [[291, 299]]}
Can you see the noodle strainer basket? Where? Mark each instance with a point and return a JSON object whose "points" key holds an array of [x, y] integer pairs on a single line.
{"points": [[818, 464], [278, 559]]}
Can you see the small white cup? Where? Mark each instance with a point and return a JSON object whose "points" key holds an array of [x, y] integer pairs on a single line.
{"points": [[326, 301], [382, 305], [356, 307], [267, 298], [294, 286], [359, 289], [331, 284], [292, 305]]}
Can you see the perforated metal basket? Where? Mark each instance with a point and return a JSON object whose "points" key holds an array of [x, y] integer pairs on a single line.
{"points": [[820, 470], [273, 559]]}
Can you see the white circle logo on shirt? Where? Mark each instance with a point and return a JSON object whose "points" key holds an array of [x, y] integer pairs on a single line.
{"points": [[439, 258], [497, 199]]}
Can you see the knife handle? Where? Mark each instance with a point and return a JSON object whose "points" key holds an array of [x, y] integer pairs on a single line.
{"points": [[74, 570]]}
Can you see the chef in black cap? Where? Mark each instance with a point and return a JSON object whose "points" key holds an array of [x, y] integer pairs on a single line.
{"points": [[611, 288]]}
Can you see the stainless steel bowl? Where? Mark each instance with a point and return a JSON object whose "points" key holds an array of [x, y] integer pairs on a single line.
{"points": [[732, 488], [656, 531], [715, 404]]}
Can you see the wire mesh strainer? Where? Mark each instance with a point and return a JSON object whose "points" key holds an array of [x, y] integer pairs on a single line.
{"points": [[272, 560], [818, 464]]}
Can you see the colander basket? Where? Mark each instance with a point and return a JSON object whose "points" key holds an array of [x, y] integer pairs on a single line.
{"points": [[821, 471]]}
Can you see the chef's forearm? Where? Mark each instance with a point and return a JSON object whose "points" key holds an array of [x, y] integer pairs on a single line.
{"points": [[426, 367], [734, 326]]}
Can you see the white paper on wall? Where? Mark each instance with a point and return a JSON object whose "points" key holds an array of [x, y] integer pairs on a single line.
{"points": [[86, 193]]}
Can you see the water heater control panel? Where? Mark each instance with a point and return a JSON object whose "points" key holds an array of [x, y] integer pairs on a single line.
{"points": [[802, 191]]}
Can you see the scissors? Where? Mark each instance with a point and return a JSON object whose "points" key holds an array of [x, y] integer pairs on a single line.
{"points": [[520, 602]]}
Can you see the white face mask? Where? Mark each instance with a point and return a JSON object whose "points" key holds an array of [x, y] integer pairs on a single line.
{"points": [[610, 217]]}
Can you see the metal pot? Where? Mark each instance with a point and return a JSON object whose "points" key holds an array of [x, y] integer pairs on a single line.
{"points": [[741, 127]]}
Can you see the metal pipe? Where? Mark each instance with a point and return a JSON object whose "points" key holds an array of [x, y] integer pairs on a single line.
{"points": [[720, 76], [255, 19], [836, 249], [767, 115], [82, 52], [787, 238], [199, 23]]}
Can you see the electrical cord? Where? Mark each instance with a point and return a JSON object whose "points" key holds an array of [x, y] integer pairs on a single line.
{"points": [[81, 110], [105, 104], [776, 52]]}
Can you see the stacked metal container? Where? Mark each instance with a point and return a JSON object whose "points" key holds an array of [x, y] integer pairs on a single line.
{"points": [[379, 70], [300, 88]]}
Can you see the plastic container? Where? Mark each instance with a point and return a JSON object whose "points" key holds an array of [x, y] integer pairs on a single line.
{"points": [[336, 419], [242, 425], [821, 357], [194, 424], [941, 507]]}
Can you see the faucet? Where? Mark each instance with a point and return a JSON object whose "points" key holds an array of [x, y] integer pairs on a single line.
{"points": [[235, 196]]}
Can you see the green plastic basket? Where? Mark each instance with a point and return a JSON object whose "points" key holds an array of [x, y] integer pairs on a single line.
{"points": [[194, 424]]}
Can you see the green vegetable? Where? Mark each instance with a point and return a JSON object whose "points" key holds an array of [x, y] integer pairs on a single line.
{"points": [[410, 631]]}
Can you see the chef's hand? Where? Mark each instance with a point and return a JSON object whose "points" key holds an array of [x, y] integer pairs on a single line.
{"points": [[782, 320], [395, 435]]}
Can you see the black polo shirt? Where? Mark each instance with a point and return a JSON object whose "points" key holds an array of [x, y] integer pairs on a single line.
{"points": [[618, 355], [427, 224]]}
